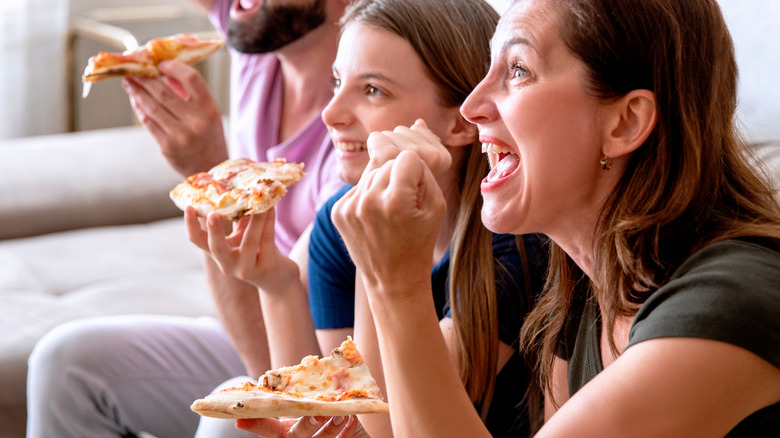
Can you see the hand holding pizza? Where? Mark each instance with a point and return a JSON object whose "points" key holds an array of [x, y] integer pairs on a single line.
{"points": [[248, 252], [182, 115], [390, 222], [321, 427]]}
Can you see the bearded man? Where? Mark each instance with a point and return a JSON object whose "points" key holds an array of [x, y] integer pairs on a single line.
{"points": [[132, 376]]}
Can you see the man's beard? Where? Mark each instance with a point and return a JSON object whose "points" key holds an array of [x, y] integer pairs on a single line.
{"points": [[273, 28]]}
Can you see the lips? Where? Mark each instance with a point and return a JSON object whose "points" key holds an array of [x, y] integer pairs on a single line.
{"points": [[242, 8]]}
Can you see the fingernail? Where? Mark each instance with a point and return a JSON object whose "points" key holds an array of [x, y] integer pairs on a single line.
{"points": [[313, 421], [338, 420]]}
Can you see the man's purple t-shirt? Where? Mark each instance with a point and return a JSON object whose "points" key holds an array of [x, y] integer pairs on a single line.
{"points": [[255, 109]]}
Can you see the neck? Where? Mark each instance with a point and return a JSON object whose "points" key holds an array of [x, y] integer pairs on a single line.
{"points": [[576, 240], [306, 75], [576, 234]]}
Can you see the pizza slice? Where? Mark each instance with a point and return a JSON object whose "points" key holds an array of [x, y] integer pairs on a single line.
{"points": [[143, 60], [340, 384], [237, 187]]}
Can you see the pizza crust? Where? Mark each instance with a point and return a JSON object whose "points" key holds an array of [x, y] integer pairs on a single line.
{"points": [[261, 404], [122, 70], [338, 385]]}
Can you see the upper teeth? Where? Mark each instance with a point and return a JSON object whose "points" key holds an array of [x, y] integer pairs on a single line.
{"points": [[496, 149], [350, 146]]}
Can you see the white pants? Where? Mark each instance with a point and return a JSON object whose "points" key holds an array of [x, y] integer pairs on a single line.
{"points": [[120, 376]]}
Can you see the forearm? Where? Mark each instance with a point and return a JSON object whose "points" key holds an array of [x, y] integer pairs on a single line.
{"points": [[377, 425], [238, 308], [285, 303], [424, 389], [289, 325]]}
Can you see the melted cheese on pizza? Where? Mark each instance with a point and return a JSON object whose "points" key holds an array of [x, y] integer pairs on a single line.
{"points": [[341, 376], [237, 187]]}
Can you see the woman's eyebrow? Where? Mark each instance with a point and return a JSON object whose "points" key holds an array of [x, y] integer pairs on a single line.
{"points": [[516, 41]]}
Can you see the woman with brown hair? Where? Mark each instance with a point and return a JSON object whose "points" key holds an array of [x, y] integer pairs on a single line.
{"points": [[609, 125]]}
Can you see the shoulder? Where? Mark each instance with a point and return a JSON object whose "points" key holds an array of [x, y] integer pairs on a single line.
{"points": [[324, 233], [727, 291]]}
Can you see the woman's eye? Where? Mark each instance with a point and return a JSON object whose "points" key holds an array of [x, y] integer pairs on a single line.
{"points": [[335, 83], [517, 71]]}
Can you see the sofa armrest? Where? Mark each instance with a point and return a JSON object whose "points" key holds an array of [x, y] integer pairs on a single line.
{"points": [[61, 182]]}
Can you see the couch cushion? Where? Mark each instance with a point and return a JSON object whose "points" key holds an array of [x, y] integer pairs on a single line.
{"points": [[47, 280], [102, 177]]}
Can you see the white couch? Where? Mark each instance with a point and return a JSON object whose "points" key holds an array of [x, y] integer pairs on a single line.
{"points": [[87, 229]]}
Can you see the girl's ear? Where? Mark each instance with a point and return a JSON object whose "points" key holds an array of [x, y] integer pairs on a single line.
{"points": [[461, 132], [630, 121]]}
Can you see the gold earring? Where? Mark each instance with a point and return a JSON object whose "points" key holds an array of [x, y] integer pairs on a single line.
{"points": [[606, 163]]}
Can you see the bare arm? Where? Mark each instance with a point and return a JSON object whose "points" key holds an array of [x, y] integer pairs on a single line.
{"points": [[389, 223], [250, 255], [670, 387], [237, 302], [286, 310], [238, 308], [426, 394], [560, 389], [377, 425]]}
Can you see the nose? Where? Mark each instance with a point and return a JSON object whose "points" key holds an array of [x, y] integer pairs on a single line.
{"points": [[478, 108], [337, 112]]}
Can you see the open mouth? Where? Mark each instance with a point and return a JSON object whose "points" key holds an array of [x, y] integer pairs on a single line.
{"points": [[242, 8], [247, 4], [503, 162]]}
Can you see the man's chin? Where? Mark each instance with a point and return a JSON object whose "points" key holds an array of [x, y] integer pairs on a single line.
{"points": [[272, 28]]}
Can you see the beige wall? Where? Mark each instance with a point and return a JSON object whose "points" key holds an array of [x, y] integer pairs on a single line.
{"points": [[107, 104], [38, 73]]}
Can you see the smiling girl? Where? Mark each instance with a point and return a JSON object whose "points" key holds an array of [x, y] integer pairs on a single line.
{"points": [[402, 70]]}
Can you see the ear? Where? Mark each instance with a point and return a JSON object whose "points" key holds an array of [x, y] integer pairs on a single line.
{"points": [[630, 121], [460, 132]]}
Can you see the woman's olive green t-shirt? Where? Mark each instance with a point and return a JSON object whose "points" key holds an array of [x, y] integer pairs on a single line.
{"points": [[728, 291]]}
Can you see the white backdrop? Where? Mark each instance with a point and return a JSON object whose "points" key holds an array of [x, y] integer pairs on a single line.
{"points": [[33, 75], [32, 66]]}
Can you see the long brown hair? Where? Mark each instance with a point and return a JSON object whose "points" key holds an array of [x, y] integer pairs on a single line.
{"points": [[703, 187], [452, 37]]}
